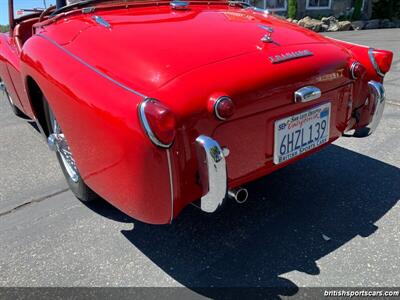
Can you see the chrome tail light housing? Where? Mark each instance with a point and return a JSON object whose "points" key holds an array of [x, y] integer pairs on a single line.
{"points": [[158, 121]]}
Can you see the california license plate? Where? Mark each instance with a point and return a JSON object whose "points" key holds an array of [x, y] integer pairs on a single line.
{"points": [[300, 133]]}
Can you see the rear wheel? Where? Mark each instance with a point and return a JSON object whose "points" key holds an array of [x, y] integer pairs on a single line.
{"points": [[58, 143]]}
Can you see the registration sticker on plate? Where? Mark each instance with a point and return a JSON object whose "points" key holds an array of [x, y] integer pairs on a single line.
{"points": [[300, 133]]}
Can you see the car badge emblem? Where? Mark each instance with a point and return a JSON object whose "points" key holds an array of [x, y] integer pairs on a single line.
{"points": [[268, 37], [275, 59]]}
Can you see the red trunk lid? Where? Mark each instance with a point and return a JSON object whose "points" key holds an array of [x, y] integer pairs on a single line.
{"points": [[147, 47]]}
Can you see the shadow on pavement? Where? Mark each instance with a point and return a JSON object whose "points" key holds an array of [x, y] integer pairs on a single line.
{"points": [[336, 192]]}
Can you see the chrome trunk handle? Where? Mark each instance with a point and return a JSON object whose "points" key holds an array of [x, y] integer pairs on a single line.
{"points": [[306, 94]]}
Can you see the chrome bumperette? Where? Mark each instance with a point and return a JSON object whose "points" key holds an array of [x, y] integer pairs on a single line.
{"points": [[146, 125], [374, 63], [177, 5], [213, 176], [307, 94], [378, 91]]}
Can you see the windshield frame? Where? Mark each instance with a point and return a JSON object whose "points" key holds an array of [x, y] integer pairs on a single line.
{"points": [[11, 14], [13, 20], [62, 7]]}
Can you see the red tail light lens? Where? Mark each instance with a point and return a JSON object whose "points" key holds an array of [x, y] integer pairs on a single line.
{"points": [[158, 121], [381, 60], [224, 108], [357, 70]]}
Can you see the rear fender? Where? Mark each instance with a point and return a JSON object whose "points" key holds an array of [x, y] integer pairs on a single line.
{"points": [[100, 121], [362, 54], [364, 96]]}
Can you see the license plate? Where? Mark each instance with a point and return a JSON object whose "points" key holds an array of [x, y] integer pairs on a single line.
{"points": [[300, 133]]}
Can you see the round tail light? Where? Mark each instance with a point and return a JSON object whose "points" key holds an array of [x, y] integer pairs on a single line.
{"points": [[357, 70], [158, 122], [224, 108]]}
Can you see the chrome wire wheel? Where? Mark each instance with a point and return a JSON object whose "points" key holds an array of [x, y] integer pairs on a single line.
{"points": [[58, 143]]}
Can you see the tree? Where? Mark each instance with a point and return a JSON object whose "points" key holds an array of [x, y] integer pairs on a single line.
{"points": [[4, 28], [357, 10], [386, 9], [292, 9]]}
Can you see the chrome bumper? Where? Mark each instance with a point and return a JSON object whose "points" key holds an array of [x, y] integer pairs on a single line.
{"points": [[213, 178], [378, 91]]}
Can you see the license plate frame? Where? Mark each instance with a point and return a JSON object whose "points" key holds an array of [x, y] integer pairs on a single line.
{"points": [[296, 130]]}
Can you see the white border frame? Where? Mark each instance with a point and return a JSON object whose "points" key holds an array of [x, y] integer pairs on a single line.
{"points": [[318, 7]]}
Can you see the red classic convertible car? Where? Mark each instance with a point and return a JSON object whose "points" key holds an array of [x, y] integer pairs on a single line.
{"points": [[154, 105]]}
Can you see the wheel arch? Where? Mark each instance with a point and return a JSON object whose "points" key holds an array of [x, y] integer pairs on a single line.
{"points": [[35, 95]]}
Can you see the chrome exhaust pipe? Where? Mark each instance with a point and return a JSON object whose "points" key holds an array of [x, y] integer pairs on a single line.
{"points": [[240, 195]]}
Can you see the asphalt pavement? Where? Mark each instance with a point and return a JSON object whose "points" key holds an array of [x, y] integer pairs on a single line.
{"points": [[329, 220]]}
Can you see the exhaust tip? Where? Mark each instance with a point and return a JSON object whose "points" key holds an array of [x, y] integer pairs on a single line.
{"points": [[240, 195]]}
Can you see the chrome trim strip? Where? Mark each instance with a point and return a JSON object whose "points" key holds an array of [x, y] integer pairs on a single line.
{"points": [[91, 67], [352, 68], [306, 94], [171, 183], [213, 175], [216, 107], [99, 20], [374, 63], [146, 125]]}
